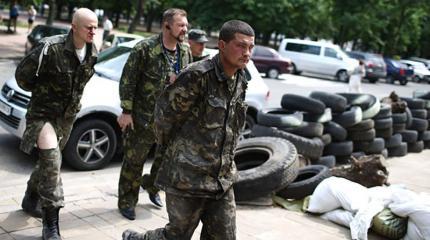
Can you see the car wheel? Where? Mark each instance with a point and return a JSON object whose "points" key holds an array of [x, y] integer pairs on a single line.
{"points": [[92, 145], [403, 82], [342, 76], [272, 73], [416, 79], [373, 80], [295, 72], [390, 79]]}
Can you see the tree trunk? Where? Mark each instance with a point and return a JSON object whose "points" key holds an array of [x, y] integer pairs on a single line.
{"points": [[51, 15], [136, 18], [58, 10], [117, 15]]}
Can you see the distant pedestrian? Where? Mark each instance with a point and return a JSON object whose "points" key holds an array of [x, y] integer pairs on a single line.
{"points": [[31, 17], [356, 77], [107, 26], [197, 40], [13, 17]]}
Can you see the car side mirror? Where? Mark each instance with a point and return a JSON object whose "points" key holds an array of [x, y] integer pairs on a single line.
{"points": [[338, 56]]}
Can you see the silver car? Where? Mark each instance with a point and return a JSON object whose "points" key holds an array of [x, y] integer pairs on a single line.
{"points": [[96, 137]]}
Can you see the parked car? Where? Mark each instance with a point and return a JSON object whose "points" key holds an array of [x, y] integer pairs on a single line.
{"points": [[423, 60], [114, 39], [421, 72], [268, 61], [96, 136], [374, 64], [320, 58], [41, 31], [398, 71]]}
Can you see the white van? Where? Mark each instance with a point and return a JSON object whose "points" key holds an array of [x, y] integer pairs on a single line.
{"points": [[320, 58]]}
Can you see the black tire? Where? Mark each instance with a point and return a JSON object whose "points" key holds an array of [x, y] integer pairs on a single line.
{"points": [[320, 118], [390, 79], [311, 148], [408, 117], [307, 129], [326, 139], [278, 117], [307, 180], [295, 71], [426, 144], [337, 132], [424, 136], [419, 113], [302, 103], [384, 133], [367, 135], [419, 125], [272, 73], [336, 102], [349, 118], [368, 103], [403, 82], [346, 159], [398, 151], [393, 141], [247, 128], [384, 153], [399, 117], [399, 127], [409, 136], [358, 155], [364, 125], [414, 103], [328, 161], [342, 76], [372, 147], [383, 123], [384, 112], [101, 144], [264, 165], [339, 148], [416, 147]]}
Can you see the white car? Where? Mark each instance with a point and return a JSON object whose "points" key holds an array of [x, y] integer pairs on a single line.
{"points": [[96, 136], [421, 72]]}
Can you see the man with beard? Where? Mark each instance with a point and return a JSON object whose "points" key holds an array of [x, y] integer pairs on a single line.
{"points": [[152, 65], [56, 72]]}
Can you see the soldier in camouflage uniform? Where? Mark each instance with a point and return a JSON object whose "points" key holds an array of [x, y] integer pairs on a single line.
{"points": [[197, 40], [199, 118], [56, 72], [153, 64]]}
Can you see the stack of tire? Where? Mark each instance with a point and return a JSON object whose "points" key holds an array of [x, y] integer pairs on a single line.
{"points": [[417, 125], [396, 146], [425, 96], [339, 148], [298, 121], [384, 126]]}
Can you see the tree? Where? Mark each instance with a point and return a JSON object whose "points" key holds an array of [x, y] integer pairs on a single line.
{"points": [[52, 10], [137, 16]]}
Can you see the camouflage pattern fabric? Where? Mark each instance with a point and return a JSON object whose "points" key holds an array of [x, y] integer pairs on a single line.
{"points": [[45, 179], [56, 85], [199, 118], [148, 180], [145, 75], [218, 218], [196, 58]]}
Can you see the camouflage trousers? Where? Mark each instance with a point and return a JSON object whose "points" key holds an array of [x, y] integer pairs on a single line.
{"points": [[137, 145], [45, 179], [148, 180], [217, 215]]}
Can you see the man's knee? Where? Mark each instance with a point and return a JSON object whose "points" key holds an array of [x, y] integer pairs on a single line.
{"points": [[47, 137]]}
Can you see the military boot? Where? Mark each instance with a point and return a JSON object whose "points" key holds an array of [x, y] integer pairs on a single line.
{"points": [[31, 204], [50, 219]]}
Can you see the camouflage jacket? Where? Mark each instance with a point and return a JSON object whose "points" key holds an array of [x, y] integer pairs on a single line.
{"points": [[144, 77], [56, 78], [199, 118]]}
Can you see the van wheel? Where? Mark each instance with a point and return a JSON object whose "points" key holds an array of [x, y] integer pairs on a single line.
{"points": [[295, 72], [416, 79], [342, 76], [272, 73], [390, 79]]}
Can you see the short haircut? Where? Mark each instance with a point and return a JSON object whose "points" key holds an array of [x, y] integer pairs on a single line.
{"points": [[171, 12], [232, 27]]}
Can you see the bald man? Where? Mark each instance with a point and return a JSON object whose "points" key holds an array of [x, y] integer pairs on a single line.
{"points": [[56, 72]]}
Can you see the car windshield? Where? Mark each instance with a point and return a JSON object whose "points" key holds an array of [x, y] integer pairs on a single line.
{"points": [[112, 53], [111, 62]]}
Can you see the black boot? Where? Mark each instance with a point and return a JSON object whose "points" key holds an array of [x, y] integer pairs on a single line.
{"points": [[31, 204], [51, 230]]}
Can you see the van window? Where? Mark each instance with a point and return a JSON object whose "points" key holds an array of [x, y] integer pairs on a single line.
{"points": [[330, 52], [303, 48]]}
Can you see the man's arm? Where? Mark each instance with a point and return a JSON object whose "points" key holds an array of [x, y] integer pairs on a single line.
{"points": [[175, 105]]}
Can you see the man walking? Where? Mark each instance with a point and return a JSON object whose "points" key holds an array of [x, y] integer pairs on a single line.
{"points": [[107, 27], [56, 72], [198, 118], [197, 40], [153, 64]]}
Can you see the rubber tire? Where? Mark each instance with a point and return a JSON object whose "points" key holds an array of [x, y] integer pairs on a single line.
{"points": [[409, 136], [311, 148], [364, 125], [419, 113], [264, 165], [327, 139], [272, 73], [414, 103], [416, 147], [384, 133], [70, 152], [320, 118], [302, 103], [305, 183], [342, 76], [337, 132], [394, 141], [367, 135], [349, 118], [399, 151], [328, 161], [373, 147], [419, 125], [384, 112], [279, 117], [339, 148], [368, 103], [336, 102], [424, 136], [307, 129], [399, 127], [383, 123], [399, 117]]}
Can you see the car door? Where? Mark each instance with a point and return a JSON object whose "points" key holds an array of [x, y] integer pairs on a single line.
{"points": [[310, 58], [262, 58]]}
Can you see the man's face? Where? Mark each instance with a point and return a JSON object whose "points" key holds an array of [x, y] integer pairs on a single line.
{"points": [[85, 29], [178, 27], [237, 51], [196, 48]]}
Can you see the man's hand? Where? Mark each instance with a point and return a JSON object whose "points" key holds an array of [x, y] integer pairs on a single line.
{"points": [[124, 120]]}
